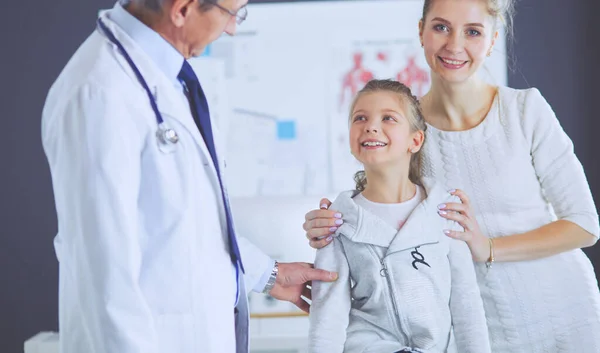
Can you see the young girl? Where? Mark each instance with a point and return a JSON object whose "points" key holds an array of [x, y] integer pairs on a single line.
{"points": [[403, 285], [530, 208]]}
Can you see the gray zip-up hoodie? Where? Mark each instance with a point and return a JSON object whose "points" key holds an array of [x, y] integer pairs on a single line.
{"points": [[414, 288]]}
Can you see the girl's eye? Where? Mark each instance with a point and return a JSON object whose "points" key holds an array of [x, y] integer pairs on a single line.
{"points": [[359, 118], [389, 118]]}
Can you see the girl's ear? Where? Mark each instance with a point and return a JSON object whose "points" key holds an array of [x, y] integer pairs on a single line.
{"points": [[418, 138]]}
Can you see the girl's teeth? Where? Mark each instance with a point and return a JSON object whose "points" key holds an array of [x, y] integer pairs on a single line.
{"points": [[373, 144]]}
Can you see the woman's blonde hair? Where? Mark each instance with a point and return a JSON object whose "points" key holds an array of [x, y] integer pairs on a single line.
{"points": [[501, 10], [415, 119]]}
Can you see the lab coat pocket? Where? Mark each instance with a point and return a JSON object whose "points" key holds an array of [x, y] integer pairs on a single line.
{"points": [[166, 278], [175, 333]]}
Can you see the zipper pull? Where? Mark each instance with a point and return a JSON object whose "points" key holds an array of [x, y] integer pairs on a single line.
{"points": [[383, 271]]}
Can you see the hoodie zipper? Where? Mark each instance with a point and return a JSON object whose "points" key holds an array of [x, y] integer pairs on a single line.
{"points": [[384, 273]]}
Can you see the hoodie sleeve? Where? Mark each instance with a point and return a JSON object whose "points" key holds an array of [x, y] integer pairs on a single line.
{"points": [[466, 306], [330, 308]]}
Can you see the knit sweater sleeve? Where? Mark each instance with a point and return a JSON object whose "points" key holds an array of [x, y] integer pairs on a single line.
{"points": [[557, 168], [466, 305], [330, 308]]}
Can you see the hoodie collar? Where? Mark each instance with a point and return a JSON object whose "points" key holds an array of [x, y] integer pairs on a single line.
{"points": [[423, 226]]}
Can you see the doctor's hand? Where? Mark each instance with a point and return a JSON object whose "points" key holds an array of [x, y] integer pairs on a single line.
{"points": [[294, 282], [321, 224]]}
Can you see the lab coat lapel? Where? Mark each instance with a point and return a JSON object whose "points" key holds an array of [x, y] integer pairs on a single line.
{"points": [[174, 105], [171, 101]]}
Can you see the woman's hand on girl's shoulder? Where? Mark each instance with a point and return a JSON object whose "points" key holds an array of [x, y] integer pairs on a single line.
{"points": [[321, 224], [463, 214]]}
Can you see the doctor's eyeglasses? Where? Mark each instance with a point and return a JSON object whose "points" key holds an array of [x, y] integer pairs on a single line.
{"points": [[240, 15]]}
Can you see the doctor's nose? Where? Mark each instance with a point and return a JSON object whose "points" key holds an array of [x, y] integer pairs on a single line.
{"points": [[231, 27]]}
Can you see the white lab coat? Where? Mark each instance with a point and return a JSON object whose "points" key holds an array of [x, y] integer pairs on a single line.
{"points": [[142, 244]]}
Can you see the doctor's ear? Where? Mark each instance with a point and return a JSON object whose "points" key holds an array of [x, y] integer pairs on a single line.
{"points": [[180, 10]]}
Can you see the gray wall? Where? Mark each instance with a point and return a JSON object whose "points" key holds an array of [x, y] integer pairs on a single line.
{"points": [[37, 40], [553, 53]]}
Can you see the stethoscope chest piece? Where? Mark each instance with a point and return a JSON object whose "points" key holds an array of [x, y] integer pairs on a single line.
{"points": [[166, 135]]}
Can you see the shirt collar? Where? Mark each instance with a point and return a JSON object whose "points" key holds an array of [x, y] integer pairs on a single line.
{"points": [[164, 55]]}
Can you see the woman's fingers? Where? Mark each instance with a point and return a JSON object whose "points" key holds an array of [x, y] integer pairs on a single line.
{"points": [[318, 244], [319, 233], [457, 235], [453, 206], [458, 217], [324, 204], [462, 196], [322, 223], [320, 213]]}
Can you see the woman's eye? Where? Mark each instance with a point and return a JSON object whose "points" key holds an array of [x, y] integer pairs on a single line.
{"points": [[473, 33], [441, 28]]}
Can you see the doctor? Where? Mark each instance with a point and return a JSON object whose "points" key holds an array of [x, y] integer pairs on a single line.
{"points": [[149, 260]]}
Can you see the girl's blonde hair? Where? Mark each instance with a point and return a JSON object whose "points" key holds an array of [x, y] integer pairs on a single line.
{"points": [[415, 119]]}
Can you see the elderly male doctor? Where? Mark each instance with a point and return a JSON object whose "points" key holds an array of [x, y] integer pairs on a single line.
{"points": [[149, 260]]}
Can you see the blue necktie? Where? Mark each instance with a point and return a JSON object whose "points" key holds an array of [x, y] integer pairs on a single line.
{"points": [[199, 107]]}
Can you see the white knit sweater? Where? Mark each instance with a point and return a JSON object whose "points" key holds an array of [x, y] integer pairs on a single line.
{"points": [[520, 172]]}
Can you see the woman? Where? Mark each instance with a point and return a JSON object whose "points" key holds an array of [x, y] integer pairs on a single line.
{"points": [[529, 208]]}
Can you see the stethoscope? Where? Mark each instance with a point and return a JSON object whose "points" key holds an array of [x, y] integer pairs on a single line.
{"points": [[164, 133]]}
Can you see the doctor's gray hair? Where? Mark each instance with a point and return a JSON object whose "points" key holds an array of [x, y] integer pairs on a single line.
{"points": [[414, 117], [154, 5], [157, 5]]}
